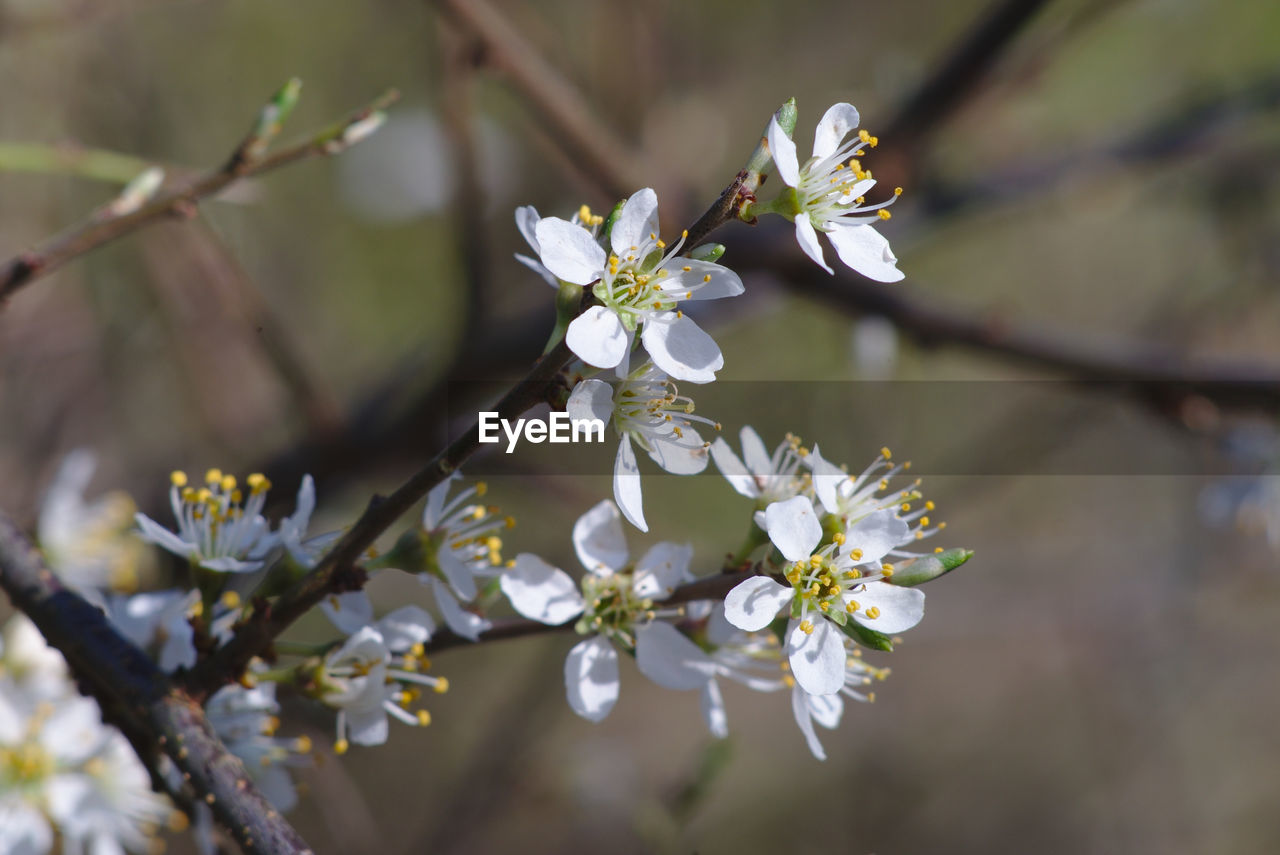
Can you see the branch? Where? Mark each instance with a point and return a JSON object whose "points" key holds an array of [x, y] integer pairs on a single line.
{"points": [[1151, 373], [336, 570], [126, 681], [246, 160], [706, 588], [602, 155]]}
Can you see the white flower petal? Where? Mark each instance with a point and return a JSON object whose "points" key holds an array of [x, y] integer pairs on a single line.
{"points": [[599, 541], [434, 510], [713, 713], [827, 477], [783, 150], [626, 485], [152, 532], [793, 527], [900, 608], [541, 592], [876, 534], [637, 220], [667, 657], [679, 347], [723, 282], [754, 453], [406, 626], [865, 250], [349, 612], [591, 678], [459, 573], [827, 709], [597, 337], [368, 725], [679, 455], [23, 828], [591, 399], [538, 268], [833, 127], [662, 569], [800, 709], [754, 603], [527, 222], [569, 251], [467, 624], [733, 469], [817, 658], [807, 237]]}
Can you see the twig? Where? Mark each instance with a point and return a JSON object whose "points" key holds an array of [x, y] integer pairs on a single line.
{"points": [[125, 680], [43, 260], [1149, 373], [605, 157]]}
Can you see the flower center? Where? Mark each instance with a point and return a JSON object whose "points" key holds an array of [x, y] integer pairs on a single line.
{"points": [[612, 607]]}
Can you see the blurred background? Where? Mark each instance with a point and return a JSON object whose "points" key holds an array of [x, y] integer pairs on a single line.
{"points": [[1089, 232]]}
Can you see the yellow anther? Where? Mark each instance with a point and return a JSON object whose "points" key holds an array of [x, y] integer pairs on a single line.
{"points": [[584, 214], [897, 191], [887, 571], [855, 554], [815, 560], [906, 506], [884, 214], [178, 822], [341, 747], [886, 453], [852, 606], [684, 234], [178, 478], [230, 599], [824, 605], [302, 744], [852, 574], [789, 681], [441, 686], [662, 244], [838, 538], [864, 135], [937, 549], [228, 483], [941, 526], [806, 626], [873, 612], [478, 513], [924, 521], [424, 718]]}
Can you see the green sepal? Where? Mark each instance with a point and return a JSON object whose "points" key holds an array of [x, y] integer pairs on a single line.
{"points": [[410, 554], [928, 568], [868, 637], [838, 617], [797, 608], [610, 220], [707, 252], [280, 577], [568, 302]]}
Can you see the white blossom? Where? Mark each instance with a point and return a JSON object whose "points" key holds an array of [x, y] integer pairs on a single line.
{"points": [[758, 474], [646, 410], [827, 587], [616, 605], [639, 285], [88, 544], [828, 195]]}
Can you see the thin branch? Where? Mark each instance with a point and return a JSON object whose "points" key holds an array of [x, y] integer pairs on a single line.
{"points": [[127, 682], [1147, 372], [605, 157], [98, 230], [706, 588]]}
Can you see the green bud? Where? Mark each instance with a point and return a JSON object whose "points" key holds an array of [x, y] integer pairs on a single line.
{"points": [[568, 301], [611, 219], [786, 116], [273, 116], [707, 252], [868, 637], [928, 568]]}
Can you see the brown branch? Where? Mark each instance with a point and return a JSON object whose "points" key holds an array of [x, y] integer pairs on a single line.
{"points": [[103, 227], [127, 682], [601, 154], [706, 588]]}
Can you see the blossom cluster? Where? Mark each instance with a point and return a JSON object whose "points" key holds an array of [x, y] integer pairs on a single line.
{"points": [[829, 567]]}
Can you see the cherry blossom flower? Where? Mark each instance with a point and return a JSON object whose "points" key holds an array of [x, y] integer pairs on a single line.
{"points": [[639, 285], [758, 474], [827, 587], [827, 194], [616, 605], [647, 410]]}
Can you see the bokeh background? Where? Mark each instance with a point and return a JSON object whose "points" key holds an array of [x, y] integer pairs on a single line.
{"points": [[1096, 180]]}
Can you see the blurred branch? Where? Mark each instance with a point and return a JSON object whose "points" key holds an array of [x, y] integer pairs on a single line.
{"points": [[605, 157], [1146, 372], [125, 680], [957, 75], [104, 228]]}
